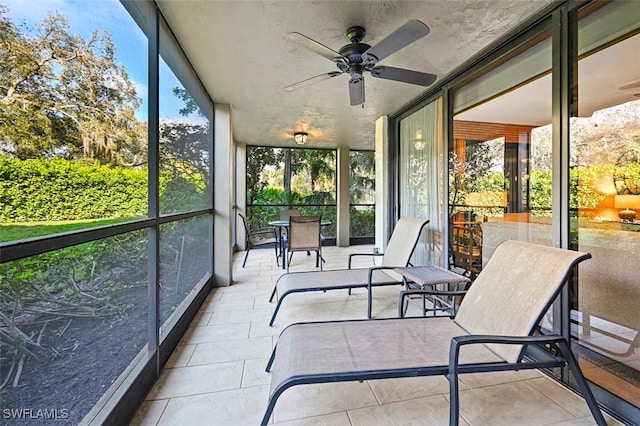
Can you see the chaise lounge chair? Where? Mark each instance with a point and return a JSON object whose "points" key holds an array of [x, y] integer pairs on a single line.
{"points": [[496, 321], [403, 241]]}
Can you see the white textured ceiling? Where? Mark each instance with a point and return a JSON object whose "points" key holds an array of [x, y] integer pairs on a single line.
{"points": [[237, 49]]}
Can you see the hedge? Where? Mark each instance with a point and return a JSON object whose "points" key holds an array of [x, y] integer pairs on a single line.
{"points": [[59, 189]]}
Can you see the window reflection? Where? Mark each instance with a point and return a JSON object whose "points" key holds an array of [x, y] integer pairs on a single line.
{"points": [[605, 195]]}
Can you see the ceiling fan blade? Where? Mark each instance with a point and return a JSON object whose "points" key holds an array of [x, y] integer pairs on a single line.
{"points": [[356, 90], [630, 85], [403, 36], [406, 76], [314, 46], [308, 81]]}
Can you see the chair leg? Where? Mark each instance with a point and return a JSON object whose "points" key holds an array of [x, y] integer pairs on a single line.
{"points": [[582, 383], [246, 255], [275, 311], [275, 248], [273, 293]]}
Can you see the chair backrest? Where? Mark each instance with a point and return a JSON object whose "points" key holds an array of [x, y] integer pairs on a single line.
{"points": [[514, 290], [304, 233], [403, 241], [244, 222], [286, 214]]}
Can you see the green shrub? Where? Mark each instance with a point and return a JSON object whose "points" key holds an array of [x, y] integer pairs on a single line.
{"points": [[58, 189]]}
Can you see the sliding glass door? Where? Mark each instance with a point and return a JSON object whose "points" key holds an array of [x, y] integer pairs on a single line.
{"points": [[605, 197]]}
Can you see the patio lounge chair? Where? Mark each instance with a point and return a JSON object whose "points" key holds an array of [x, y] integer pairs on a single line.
{"points": [[496, 321], [398, 253]]}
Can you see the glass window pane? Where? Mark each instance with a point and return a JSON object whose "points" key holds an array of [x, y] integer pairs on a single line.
{"points": [[362, 194], [285, 178], [500, 163], [72, 322], [185, 263], [185, 134], [73, 130], [605, 200]]}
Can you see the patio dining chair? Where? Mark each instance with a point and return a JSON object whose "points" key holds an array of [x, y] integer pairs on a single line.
{"points": [[285, 215], [262, 237], [496, 322], [398, 253], [304, 235]]}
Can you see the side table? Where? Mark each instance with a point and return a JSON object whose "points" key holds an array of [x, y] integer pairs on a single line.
{"points": [[423, 280]]}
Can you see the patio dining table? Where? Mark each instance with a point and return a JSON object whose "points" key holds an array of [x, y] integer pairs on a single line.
{"points": [[284, 224]]}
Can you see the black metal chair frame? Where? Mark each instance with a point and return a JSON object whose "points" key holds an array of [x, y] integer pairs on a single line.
{"points": [[317, 248], [270, 238], [557, 354], [368, 284]]}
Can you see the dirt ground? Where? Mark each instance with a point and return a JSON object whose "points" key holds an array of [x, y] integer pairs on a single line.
{"points": [[79, 359]]}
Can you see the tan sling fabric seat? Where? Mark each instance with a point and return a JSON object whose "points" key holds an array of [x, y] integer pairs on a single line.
{"points": [[495, 321], [403, 241]]}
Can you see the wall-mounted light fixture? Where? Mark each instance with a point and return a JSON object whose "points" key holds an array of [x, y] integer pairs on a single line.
{"points": [[419, 143], [300, 138]]}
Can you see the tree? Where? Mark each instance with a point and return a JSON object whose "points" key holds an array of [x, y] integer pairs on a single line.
{"points": [[63, 95], [362, 181], [258, 157]]}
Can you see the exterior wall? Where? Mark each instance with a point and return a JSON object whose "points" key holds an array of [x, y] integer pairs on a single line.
{"points": [[343, 198], [240, 190], [223, 196], [383, 175]]}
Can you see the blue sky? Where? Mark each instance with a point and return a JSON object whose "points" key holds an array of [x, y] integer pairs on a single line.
{"points": [[86, 15]]}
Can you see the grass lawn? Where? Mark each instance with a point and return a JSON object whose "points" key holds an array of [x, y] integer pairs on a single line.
{"points": [[21, 230]]}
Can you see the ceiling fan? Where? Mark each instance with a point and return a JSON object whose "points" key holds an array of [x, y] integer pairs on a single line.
{"points": [[356, 58]]}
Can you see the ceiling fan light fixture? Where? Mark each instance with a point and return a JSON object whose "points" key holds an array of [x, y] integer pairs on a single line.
{"points": [[300, 138]]}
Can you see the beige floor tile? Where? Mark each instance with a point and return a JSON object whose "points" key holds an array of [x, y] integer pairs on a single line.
{"points": [[510, 404], [262, 329], [193, 380], [589, 421], [229, 342], [229, 408], [240, 299], [479, 380], [180, 356], [433, 410], [335, 419], [216, 333], [240, 316], [233, 302], [232, 350], [254, 373], [149, 413], [567, 399], [393, 390], [304, 401], [201, 318]]}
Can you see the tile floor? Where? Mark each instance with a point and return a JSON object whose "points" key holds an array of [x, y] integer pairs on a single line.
{"points": [[216, 375]]}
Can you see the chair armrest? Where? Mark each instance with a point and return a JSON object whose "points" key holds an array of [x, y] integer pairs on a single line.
{"points": [[459, 341], [379, 268], [363, 254]]}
